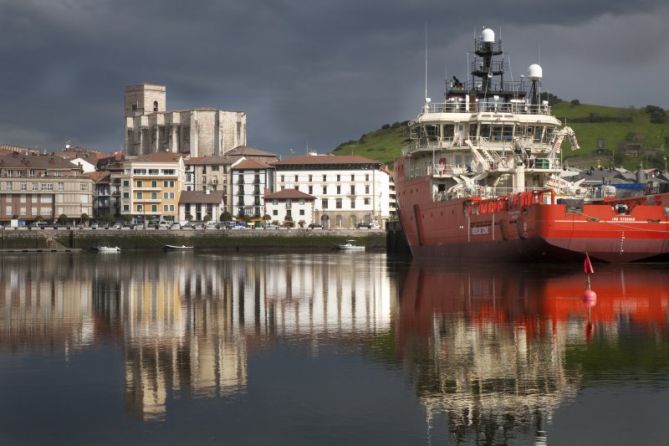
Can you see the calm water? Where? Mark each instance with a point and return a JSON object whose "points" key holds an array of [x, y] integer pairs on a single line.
{"points": [[328, 349]]}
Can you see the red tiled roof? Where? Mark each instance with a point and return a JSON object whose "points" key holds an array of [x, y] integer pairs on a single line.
{"points": [[49, 161], [325, 160], [208, 160], [251, 165], [99, 176], [159, 157], [249, 151], [289, 194], [199, 197]]}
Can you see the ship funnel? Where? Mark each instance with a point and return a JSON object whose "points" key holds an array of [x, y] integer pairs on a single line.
{"points": [[535, 72], [488, 35]]}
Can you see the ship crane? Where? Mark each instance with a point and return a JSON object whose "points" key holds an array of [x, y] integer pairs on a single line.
{"points": [[560, 135]]}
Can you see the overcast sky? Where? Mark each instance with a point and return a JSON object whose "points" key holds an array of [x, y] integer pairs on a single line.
{"points": [[310, 72]]}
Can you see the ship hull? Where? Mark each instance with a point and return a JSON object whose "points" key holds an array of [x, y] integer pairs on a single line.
{"points": [[531, 229]]}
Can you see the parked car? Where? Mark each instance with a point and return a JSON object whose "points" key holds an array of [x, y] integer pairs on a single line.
{"points": [[198, 226], [175, 226], [271, 226], [369, 225], [313, 226], [187, 226], [211, 225]]}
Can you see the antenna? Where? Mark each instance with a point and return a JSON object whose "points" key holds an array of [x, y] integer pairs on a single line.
{"points": [[425, 96]]}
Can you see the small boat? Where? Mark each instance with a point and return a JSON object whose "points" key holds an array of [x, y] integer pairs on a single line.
{"points": [[349, 246], [106, 249], [177, 248]]}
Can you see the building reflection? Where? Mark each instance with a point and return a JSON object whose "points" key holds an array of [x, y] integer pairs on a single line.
{"points": [[186, 327], [487, 349], [45, 304]]}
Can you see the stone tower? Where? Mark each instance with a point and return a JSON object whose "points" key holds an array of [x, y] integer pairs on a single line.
{"points": [[143, 99]]}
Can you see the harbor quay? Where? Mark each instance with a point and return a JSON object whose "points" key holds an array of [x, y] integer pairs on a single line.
{"points": [[251, 240]]}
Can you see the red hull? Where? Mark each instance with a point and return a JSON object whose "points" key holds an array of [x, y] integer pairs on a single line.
{"points": [[523, 228]]}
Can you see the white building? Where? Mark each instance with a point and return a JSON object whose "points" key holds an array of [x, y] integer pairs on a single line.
{"points": [[290, 205], [198, 132], [250, 180], [198, 205], [348, 189]]}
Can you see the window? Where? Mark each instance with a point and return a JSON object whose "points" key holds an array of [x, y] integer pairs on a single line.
{"points": [[325, 189], [140, 195], [311, 178], [324, 201], [311, 189], [171, 195], [366, 200], [214, 168], [9, 185], [23, 198], [154, 208], [140, 208], [338, 177], [296, 178], [275, 212], [139, 171], [155, 106], [367, 177], [352, 189], [353, 203], [338, 203], [138, 184], [166, 208], [126, 183], [22, 211], [154, 183], [325, 177], [283, 178], [61, 187], [301, 211], [165, 195], [153, 171], [168, 171], [36, 186], [83, 186], [126, 208], [154, 195], [366, 189], [126, 195], [24, 186], [338, 190]]}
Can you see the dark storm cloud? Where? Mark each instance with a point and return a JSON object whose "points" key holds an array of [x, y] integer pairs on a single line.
{"points": [[306, 72]]}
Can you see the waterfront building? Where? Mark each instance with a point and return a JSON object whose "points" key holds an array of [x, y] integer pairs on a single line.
{"points": [[197, 205], [102, 195], [290, 205], [198, 132], [348, 189], [250, 181], [150, 186], [36, 187], [208, 173]]}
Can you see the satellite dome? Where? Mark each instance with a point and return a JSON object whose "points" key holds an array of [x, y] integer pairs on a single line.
{"points": [[488, 35], [535, 72]]}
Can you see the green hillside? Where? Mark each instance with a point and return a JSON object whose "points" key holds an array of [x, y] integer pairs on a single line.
{"points": [[607, 136]]}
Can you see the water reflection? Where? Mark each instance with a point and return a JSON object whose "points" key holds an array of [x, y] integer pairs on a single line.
{"points": [[493, 354], [498, 352], [186, 325]]}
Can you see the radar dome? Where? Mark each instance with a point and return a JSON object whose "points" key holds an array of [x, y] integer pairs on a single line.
{"points": [[535, 72], [488, 35]]}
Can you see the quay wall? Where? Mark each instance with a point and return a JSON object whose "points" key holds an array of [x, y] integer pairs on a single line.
{"points": [[239, 241]]}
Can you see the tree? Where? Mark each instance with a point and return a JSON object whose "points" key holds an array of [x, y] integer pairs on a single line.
{"points": [[189, 217], [575, 102], [226, 216], [39, 218], [62, 219], [207, 218], [266, 217], [85, 218]]}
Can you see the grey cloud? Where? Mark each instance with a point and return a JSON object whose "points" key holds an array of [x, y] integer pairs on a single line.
{"points": [[317, 71]]}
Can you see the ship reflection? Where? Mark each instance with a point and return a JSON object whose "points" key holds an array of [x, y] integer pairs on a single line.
{"points": [[497, 352]]}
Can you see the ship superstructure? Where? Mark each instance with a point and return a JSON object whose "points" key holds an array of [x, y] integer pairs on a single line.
{"points": [[481, 178]]}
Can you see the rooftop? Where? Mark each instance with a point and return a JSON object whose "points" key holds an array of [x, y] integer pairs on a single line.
{"points": [[249, 151], [332, 160], [159, 157], [289, 194], [251, 165], [199, 197]]}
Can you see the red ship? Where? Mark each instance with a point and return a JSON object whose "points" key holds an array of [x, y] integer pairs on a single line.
{"points": [[481, 179]]}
